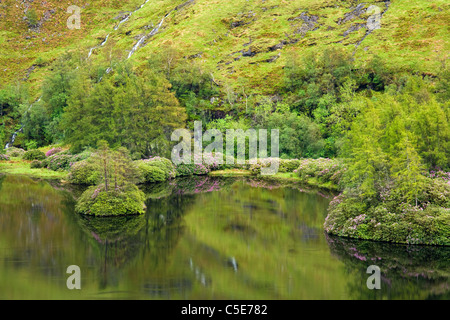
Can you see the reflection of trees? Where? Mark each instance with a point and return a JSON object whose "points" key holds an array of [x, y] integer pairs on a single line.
{"points": [[147, 240], [186, 185], [407, 272], [2, 177]]}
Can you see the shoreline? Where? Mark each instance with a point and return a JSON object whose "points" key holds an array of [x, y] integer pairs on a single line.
{"points": [[11, 168]]}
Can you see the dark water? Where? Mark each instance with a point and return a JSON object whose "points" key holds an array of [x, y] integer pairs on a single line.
{"points": [[201, 238]]}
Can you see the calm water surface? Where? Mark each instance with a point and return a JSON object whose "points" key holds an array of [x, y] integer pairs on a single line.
{"points": [[200, 238]]}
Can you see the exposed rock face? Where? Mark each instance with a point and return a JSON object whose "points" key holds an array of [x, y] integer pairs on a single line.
{"points": [[310, 22]]}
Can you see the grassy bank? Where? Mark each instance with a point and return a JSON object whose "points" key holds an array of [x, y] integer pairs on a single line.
{"points": [[22, 167]]}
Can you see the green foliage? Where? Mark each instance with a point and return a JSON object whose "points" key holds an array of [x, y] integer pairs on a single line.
{"points": [[115, 166], [399, 223], [397, 137], [32, 18], [150, 173], [15, 152], [191, 169], [323, 169], [99, 202], [289, 165], [36, 164], [84, 173], [162, 163], [192, 83], [34, 155], [127, 108], [317, 81], [60, 161], [299, 136], [63, 160]]}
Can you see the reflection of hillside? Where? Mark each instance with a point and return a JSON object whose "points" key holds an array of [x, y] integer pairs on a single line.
{"points": [[407, 272]]}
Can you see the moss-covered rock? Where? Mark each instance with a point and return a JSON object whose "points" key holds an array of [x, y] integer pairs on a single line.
{"points": [[97, 201]]}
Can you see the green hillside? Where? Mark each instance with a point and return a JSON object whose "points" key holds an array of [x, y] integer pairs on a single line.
{"points": [[243, 43]]}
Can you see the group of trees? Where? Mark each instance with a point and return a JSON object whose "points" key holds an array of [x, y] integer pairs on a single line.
{"points": [[327, 106], [396, 139]]}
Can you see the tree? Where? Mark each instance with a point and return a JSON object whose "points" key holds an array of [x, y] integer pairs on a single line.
{"points": [[116, 166], [408, 170], [367, 162], [127, 108]]}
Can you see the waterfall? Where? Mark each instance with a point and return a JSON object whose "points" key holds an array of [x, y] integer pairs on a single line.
{"points": [[13, 138], [115, 28], [144, 37]]}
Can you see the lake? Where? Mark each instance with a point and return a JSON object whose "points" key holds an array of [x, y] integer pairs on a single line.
{"points": [[201, 238]]}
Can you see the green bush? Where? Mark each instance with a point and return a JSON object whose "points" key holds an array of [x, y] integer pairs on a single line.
{"points": [[34, 155], [36, 164], [324, 169], [162, 163], [255, 168], [191, 169], [84, 173], [289, 165], [183, 170], [350, 216], [149, 173], [15, 152], [59, 161], [32, 18], [64, 160], [4, 157], [96, 201]]}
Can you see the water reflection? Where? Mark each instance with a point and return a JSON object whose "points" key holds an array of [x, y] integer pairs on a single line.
{"points": [[407, 272], [200, 238]]}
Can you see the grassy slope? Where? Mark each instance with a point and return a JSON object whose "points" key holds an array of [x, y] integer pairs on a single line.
{"points": [[413, 34]]}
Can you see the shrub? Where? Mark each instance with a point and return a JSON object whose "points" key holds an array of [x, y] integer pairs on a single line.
{"points": [[36, 164], [289, 165], [59, 161], [52, 151], [184, 170], [191, 169], [96, 201], [63, 160], [84, 173], [150, 173], [323, 169], [32, 18], [34, 155], [162, 163], [349, 216], [255, 168], [15, 152], [4, 157]]}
